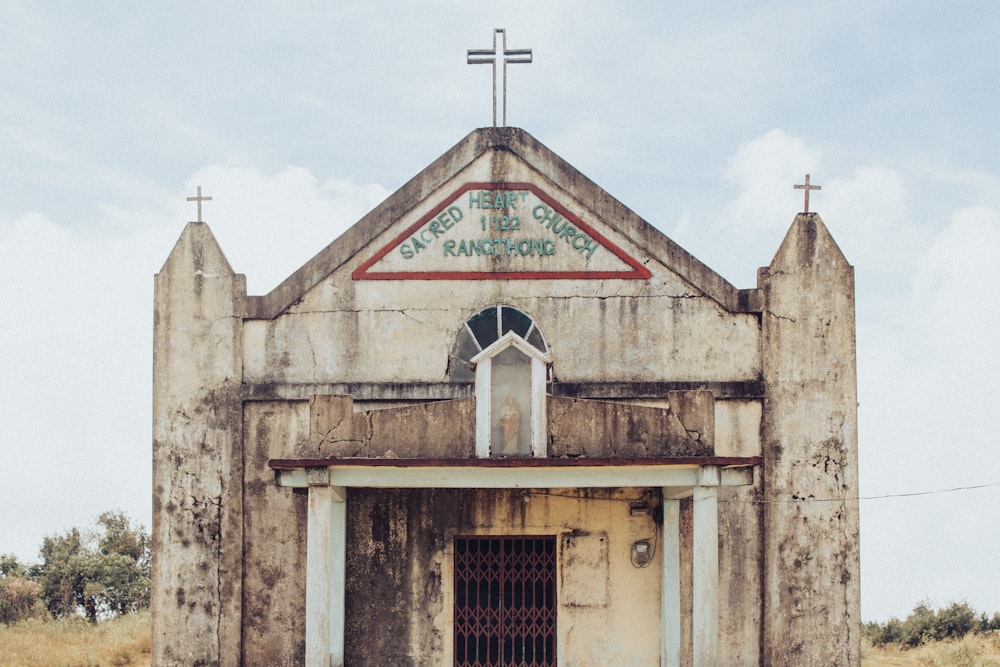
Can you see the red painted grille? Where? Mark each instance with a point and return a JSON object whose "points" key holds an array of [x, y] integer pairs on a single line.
{"points": [[505, 601]]}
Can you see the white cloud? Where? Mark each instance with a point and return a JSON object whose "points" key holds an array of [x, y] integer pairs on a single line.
{"points": [[764, 170], [76, 375], [268, 225], [25, 37], [928, 373], [868, 214], [957, 297], [744, 233]]}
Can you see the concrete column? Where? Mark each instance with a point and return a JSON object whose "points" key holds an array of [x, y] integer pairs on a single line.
{"points": [[326, 558], [670, 594], [199, 304], [705, 558], [811, 552], [484, 379]]}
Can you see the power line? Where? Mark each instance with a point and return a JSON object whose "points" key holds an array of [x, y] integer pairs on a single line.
{"points": [[931, 493], [858, 498], [909, 494]]}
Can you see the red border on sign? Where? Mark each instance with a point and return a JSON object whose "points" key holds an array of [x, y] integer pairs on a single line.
{"points": [[638, 271]]}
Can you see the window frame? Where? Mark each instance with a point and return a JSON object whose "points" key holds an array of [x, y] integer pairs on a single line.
{"points": [[484, 394]]}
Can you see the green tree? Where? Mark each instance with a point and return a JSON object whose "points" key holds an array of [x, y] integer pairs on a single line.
{"points": [[925, 624], [121, 537], [59, 575], [9, 565], [918, 628], [124, 564], [880, 634], [954, 621], [104, 572]]}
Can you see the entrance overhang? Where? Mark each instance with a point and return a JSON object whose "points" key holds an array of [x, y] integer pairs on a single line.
{"points": [[680, 474], [678, 477]]}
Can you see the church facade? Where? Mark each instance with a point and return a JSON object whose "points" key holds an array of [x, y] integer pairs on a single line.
{"points": [[502, 420]]}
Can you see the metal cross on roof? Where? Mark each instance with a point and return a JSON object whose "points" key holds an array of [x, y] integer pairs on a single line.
{"points": [[805, 186], [489, 57], [198, 198]]}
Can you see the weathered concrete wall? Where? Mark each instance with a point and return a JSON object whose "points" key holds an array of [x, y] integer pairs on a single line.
{"points": [[685, 426], [235, 384], [603, 429], [738, 427], [197, 458], [665, 336], [444, 429], [738, 433], [399, 610], [740, 607], [274, 525], [811, 552]]}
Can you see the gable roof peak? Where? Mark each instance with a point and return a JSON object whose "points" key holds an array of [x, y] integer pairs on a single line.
{"points": [[512, 155]]}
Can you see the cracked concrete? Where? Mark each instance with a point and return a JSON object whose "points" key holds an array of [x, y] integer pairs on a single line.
{"points": [[811, 574]]}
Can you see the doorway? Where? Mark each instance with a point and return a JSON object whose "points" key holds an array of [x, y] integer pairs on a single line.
{"points": [[505, 601]]}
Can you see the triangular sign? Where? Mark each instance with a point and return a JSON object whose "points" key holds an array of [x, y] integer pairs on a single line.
{"points": [[509, 231]]}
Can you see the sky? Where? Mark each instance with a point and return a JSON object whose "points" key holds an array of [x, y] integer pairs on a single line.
{"points": [[298, 117]]}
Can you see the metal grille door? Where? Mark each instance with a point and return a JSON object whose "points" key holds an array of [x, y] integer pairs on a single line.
{"points": [[505, 601]]}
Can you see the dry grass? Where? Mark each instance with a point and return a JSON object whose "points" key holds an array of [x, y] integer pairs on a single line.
{"points": [[76, 643], [125, 642], [971, 651]]}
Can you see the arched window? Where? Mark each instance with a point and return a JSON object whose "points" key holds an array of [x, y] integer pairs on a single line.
{"points": [[510, 358], [485, 328]]}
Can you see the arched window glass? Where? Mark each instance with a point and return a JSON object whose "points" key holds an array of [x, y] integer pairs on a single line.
{"points": [[485, 328]]}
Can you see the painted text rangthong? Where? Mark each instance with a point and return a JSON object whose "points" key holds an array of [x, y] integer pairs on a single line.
{"points": [[506, 203]]}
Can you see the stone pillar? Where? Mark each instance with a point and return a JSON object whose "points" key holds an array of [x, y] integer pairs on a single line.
{"points": [[670, 591], [705, 575], [197, 455], [811, 549], [326, 575]]}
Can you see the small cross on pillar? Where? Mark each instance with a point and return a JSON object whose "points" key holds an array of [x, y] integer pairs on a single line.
{"points": [[489, 57], [198, 198], [805, 186]]}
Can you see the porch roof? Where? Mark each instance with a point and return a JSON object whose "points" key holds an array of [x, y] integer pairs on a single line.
{"points": [[679, 473]]}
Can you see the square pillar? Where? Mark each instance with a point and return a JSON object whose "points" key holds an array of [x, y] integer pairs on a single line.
{"points": [[484, 424], [670, 582], [326, 560], [705, 557]]}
